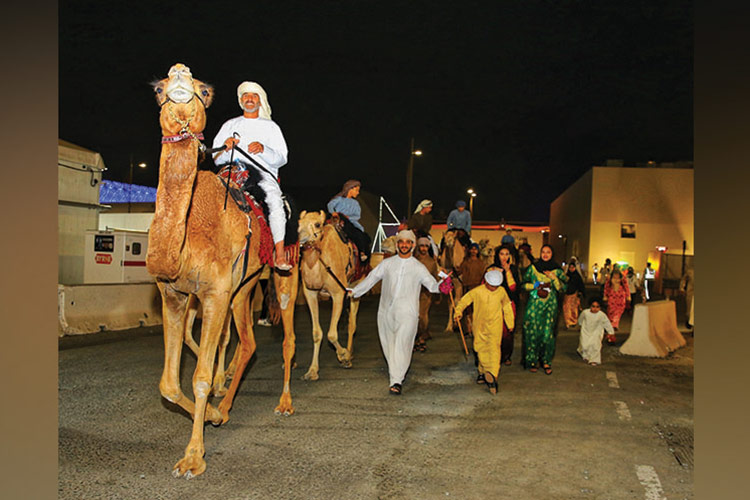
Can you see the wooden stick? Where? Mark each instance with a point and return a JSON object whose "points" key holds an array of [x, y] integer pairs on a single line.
{"points": [[460, 330]]}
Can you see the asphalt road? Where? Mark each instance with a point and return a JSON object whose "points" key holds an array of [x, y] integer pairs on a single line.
{"points": [[621, 430]]}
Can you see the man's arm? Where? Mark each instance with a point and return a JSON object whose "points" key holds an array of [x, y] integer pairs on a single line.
{"points": [[465, 301], [275, 152], [426, 279], [364, 286], [508, 314]]}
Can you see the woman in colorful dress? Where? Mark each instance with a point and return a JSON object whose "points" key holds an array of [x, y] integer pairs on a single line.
{"points": [[617, 296], [545, 281], [574, 292], [505, 260]]}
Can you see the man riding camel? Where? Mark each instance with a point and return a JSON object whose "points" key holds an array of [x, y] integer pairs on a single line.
{"points": [[459, 218], [345, 203], [255, 133]]}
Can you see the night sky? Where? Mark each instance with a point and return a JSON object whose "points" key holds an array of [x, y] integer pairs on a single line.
{"points": [[516, 99]]}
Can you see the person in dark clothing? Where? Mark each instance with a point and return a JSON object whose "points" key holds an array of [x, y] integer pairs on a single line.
{"points": [[505, 260], [575, 291]]}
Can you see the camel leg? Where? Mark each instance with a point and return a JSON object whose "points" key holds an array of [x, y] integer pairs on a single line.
{"points": [[173, 311], [232, 368], [215, 309], [311, 297], [352, 328], [243, 319], [286, 291], [190, 314], [218, 388], [451, 323], [333, 330]]}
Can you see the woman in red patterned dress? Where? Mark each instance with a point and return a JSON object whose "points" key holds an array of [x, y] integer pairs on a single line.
{"points": [[616, 296]]}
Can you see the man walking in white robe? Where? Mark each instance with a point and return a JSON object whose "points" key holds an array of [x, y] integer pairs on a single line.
{"points": [[398, 310]]}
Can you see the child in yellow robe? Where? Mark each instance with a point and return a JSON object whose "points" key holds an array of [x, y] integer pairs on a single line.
{"points": [[492, 306]]}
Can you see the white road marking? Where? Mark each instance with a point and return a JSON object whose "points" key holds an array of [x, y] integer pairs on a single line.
{"points": [[650, 481], [612, 380], [622, 410]]}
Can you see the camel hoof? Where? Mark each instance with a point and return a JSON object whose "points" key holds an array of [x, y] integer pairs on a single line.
{"points": [[285, 406], [214, 416], [346, 363], [311, 375], [189, 467]]}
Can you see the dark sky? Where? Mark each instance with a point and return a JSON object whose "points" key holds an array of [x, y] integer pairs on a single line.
{"points": [[516, 99]]}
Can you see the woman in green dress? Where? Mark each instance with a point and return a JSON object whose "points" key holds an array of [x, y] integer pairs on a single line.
{"points": [[545, 282]]}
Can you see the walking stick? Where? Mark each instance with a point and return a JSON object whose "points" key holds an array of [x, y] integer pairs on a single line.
{"points": [[460, 330]]}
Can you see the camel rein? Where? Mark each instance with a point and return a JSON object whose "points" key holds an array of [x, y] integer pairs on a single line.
{"points": [[326, 266], [211, 151]]}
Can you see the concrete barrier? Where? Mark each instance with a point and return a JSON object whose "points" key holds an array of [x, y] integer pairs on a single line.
{"points": [[654, 331], [98, 307]]}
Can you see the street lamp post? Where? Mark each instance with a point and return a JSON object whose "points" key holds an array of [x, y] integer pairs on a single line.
{"points": [[472, 194], [130, 184], [410, 173]]}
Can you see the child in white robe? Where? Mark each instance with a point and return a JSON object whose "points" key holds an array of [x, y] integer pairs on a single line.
{"points": [[593, 325]]}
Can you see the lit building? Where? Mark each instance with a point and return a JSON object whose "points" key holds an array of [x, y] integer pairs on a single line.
{"points": [[630, 215]]}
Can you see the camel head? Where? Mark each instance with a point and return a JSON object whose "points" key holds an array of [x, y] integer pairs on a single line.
{"points": [[311, 226], [453, 252], [183, 101]]}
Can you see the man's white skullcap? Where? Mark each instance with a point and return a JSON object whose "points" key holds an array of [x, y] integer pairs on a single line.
{"points": [[423, 241], [493, 277], [265, 107], [406, 234]]}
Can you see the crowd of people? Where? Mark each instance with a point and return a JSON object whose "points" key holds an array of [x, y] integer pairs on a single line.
{"points": [[515, 293]]}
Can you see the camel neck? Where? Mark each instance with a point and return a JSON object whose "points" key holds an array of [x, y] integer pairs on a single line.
{"points": [[177, 170]]}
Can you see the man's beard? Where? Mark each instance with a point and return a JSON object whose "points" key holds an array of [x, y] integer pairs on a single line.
{"points": [[248, 109]]}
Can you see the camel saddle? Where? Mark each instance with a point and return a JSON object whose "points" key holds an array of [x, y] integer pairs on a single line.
{"points": [[250, 198], [359, 269]]}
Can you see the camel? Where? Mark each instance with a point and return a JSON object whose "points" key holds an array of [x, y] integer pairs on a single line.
{"points": [[486, 251], [322, 247], [196, 249], [452, 254]]}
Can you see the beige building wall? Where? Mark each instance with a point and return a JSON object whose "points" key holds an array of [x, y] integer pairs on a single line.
{"points": [[79, 175], [659, 201], [570, 223]]}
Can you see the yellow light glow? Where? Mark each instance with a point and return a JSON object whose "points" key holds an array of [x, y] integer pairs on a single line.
{"points": [[417, 153], [142, 165]]}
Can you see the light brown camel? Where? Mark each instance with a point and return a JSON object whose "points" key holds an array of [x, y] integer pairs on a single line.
{"points": [[196, 248], [452, 254], [321, 246]]}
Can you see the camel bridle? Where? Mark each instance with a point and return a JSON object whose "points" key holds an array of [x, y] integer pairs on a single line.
{"points": [[185, 131]]}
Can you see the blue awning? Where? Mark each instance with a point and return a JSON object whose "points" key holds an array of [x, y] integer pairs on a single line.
{"points": [[121, 192]]}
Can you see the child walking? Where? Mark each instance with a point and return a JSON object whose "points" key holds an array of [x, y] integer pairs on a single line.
{"points": [[593, 325], [492, 307]]}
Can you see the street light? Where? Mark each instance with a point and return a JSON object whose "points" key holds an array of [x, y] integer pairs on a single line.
{"points": [[473, 194], [130, 185], [410, 173]]}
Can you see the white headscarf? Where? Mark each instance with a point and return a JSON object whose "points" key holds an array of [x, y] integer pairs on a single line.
{"points": [[406, 234], [423, 204], [265, 107]]}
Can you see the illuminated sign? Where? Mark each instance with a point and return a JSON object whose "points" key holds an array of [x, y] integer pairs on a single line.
{"points": [[103, 258]]}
